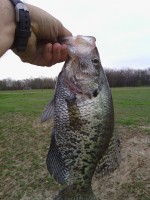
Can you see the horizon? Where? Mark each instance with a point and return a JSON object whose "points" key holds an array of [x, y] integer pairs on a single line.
{"points": [[105, 69]]}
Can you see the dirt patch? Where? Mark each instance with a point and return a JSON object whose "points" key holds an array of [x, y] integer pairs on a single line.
{"points": [[130, 180]]}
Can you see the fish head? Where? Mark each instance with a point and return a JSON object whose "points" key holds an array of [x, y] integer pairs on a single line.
{"points": [[82, 70]]}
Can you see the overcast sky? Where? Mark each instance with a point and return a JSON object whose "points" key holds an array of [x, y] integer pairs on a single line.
{"points": [[121, 28]]}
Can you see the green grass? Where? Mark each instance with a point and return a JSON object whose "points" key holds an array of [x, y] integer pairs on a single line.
{"points": [[24, 102], [24, 142], [132, 106]]}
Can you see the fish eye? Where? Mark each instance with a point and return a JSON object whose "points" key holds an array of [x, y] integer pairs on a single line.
{"points": [[95, 61]]}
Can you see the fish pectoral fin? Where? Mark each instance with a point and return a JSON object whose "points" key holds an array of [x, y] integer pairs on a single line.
{"points": [[55, 163], [48, 111], [111, 159]]}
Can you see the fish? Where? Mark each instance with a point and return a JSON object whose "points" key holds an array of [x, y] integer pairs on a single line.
{"points": [[83, 141]]}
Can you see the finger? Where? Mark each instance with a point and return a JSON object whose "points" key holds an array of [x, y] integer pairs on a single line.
{"points": [[44, 55], [60, 53], [56, 53], [47, 55], [63, 32], [64, 53]]}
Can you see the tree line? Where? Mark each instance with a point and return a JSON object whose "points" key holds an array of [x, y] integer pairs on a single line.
{"points": [[128, 77], [27, 84], [116, 78]]}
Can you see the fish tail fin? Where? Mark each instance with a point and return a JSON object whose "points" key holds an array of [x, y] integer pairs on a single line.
{"points": [[71, 193]]}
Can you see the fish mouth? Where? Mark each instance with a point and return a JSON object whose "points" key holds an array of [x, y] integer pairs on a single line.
{"points": [[76, 88]]}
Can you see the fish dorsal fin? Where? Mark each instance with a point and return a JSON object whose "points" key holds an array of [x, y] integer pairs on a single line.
{"points": [[48, 111], [111, 159], [55, 163]]}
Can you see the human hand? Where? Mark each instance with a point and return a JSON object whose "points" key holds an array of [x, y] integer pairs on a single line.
{"points": [[43, 47]]}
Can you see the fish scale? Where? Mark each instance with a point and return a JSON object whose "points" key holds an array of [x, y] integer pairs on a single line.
{"points": [[83, 142]]}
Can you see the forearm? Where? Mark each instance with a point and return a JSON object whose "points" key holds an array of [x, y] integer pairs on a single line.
{"points": [[7, 25]]}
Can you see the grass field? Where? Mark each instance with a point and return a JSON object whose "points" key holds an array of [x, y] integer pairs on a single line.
{"points": [[25, 142]]}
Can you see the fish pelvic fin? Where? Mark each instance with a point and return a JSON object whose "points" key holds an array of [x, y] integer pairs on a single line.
{"points": [[111, 159], [71, 193], [48, 111]]}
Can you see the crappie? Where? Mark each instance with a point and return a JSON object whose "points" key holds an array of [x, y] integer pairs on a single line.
{"points": [[83, 140]]}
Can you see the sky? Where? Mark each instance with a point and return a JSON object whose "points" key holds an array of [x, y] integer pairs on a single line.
{"points": [[121, 29]]}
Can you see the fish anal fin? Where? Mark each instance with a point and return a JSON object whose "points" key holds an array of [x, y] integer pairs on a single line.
{"points": [[55, 163], [48, 111], [111, 159]]}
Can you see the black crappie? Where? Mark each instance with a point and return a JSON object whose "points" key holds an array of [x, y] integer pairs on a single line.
{"points": [[83, 132]]}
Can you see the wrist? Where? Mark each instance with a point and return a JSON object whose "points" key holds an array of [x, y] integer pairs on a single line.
{"points": [[7, 25], [22, 32]]}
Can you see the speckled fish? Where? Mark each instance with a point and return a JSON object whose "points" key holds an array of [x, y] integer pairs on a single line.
{"points": [[83, 142]]}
